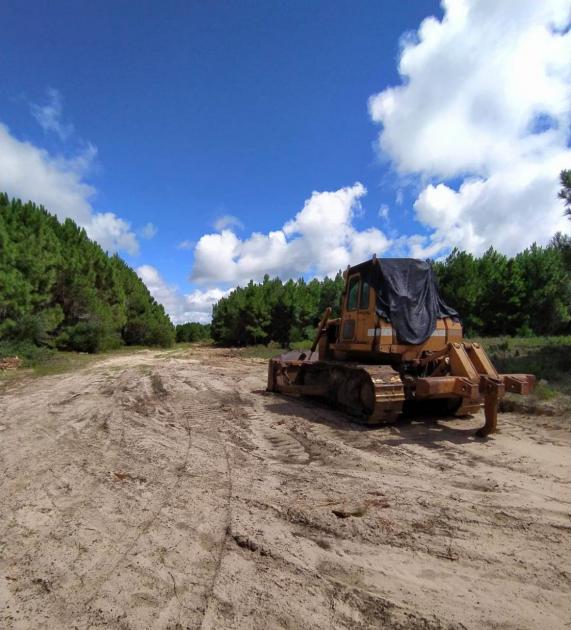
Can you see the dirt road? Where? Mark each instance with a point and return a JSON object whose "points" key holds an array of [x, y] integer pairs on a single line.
{"points": [[157, 490]]}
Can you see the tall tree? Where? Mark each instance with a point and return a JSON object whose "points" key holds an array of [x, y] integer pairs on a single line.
{"points": [[59, 288], [494, 294], [565, 192]]}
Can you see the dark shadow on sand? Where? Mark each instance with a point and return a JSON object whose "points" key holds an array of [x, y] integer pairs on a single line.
{"points": [[429, 430]]}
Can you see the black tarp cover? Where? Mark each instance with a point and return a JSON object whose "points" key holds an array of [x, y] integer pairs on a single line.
{"points": [[407, 296]]}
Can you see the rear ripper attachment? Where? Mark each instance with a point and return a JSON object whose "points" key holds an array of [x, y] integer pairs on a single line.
{"points": [[396, 346], [462, 377]]}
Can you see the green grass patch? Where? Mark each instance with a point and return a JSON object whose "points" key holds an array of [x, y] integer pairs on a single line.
{"points": [[271, 350], [548, 358], [544, 392], [31, 355], [43, 361], [63, 362]]}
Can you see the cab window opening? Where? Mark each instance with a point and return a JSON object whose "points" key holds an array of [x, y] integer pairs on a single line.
{"points": [[364, 298], [353, 293]]}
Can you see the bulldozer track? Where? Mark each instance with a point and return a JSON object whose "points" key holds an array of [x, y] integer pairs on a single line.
{"points": [[370, 394], [227, 530]]}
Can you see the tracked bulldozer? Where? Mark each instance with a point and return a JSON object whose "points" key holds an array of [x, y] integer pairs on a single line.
{"points": [[396, 349]]}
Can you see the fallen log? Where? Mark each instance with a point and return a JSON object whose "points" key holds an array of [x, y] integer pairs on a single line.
{"points": [[10, 363]]}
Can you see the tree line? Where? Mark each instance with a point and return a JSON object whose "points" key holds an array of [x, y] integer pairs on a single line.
{"points": [[60, 289], [528, 294], [192, 331], [274, 310]]}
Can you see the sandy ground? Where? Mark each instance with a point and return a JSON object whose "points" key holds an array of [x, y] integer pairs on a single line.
{"points": [[154, 490]]}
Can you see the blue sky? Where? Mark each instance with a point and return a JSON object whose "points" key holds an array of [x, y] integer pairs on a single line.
{"points": [[200, 116]]}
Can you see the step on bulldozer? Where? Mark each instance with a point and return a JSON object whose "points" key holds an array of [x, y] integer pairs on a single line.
{"points": [[396, 348]]}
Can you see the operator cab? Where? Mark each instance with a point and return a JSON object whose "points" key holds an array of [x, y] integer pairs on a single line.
{"points": [[362, 328]]}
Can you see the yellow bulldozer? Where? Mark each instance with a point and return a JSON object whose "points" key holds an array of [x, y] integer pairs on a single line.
{"points": [[396, 348]]}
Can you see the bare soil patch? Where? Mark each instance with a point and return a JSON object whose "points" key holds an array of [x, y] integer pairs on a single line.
{"points": [[155, 490]]}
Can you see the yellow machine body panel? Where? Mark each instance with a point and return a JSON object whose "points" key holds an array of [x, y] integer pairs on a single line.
{"points": [[361, 330], [358, 363]]}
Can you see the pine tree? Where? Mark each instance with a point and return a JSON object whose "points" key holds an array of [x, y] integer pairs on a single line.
{"points": [[59, 288]]}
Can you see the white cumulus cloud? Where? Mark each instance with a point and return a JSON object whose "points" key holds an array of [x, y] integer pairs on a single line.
{"points": [[112, 233], [31, 173], [195, 306], [319, 240], [483, 114], [198, 304]]}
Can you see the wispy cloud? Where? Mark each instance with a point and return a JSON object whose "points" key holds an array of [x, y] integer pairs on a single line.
{"points": [[148, 231], [227, 221], [50, 115], [186, 245]]}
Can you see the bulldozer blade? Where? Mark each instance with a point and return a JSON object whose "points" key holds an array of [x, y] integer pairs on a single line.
{"points": [[283, 369]]}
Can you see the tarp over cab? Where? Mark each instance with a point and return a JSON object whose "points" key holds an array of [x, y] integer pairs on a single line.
{"points": [[407, 296]]}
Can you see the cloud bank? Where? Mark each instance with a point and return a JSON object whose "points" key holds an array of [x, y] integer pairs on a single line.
{"points": [[483, 114], [319, 240], [58, 183], [195, 306]]}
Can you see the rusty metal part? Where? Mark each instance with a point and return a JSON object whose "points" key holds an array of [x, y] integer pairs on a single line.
{"points": [[492, 389], [363, 368], [320, 329], [445, 387], [471, 362], [376, 393], [388, 393], [522, 384], [372, 394]]}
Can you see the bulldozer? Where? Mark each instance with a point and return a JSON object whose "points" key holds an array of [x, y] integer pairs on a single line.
{"points": [[396, 349]]}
